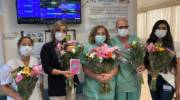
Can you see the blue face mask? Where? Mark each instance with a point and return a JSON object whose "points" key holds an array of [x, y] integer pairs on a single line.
{"points": [[123, 32], [160, 33], [99, 39]]}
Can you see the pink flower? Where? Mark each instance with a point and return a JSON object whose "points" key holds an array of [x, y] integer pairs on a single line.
{"points": [[19, 77], [72, 42], [58, 46], [104, 51], [37, 70], [101, 54], [111, 49], [151, 47], [104, 46]]}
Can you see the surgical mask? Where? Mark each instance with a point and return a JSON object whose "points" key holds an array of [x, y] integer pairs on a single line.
{"points": [[25, 50], [123, 32], [100, 39], [160, 33], [59, 36]]}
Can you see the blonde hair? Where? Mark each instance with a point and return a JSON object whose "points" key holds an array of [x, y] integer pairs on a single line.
{"points": [[56, 27]]}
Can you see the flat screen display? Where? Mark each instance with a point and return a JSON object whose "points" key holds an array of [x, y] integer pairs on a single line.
{"points": [[48, 11]]}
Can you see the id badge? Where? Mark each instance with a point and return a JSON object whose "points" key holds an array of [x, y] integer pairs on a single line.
{"points": [[167, 87]]}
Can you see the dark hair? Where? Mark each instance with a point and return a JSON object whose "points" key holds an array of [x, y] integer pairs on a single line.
{"points": [[55, 28], [167, 41], [93, 34], [20, 40]]}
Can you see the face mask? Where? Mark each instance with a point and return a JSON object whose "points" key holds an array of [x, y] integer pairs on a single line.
{"points": [[25, 50], [59, 36], [123, 32], [160, 33], [100, 39]]}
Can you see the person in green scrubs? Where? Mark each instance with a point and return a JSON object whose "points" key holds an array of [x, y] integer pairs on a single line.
{"points": [[92, 82], [127, 83]]}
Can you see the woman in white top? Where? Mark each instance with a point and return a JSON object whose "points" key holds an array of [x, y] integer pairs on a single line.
{"points": [[7, 82], [167, 80]]}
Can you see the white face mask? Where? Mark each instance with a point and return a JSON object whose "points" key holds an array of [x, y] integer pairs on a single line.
{"points": [[123, 32], [160, 33], [25, 50], [59, 36]]}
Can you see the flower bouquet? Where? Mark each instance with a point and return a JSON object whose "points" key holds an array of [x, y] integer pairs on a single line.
{"points": [[159, 58], [102, 60], [137, 54], [26, 78], [70, 50]]}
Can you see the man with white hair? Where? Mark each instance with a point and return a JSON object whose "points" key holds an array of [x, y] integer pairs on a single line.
{"points": [[127, 82]]}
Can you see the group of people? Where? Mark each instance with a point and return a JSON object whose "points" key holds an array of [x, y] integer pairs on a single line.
{"points": [[122, 78]]}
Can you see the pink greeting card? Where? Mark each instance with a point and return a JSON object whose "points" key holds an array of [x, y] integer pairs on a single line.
{"points": [[75, 66]]}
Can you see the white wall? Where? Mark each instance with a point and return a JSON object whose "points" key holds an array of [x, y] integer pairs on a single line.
{"points": [[146, 5], [11, 26], [132, 15], [1, 37], [11, 22], [1, 43]]}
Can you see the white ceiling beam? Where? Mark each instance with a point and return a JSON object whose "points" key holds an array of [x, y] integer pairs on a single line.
{"points": [[157, 5]]}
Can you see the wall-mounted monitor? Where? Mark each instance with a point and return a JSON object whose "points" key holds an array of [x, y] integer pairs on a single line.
{"points": [[48, 11]]}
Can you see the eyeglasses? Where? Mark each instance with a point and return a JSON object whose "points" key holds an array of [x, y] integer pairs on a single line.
{"points": [[123, 27]]}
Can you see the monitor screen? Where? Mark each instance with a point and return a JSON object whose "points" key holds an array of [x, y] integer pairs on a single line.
{"points": [[48, 11]]}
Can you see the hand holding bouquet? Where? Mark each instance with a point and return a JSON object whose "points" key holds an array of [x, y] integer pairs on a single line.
{"points": [[159, 58], [102, 60], [71, 50], [26, 78], [137, 54]]}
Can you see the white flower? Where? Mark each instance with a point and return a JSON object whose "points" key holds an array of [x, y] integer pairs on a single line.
{"points": [[92, 55], [113, 56], [19, 73], [101, 59], [73, 51], [62, 52], [134, 42]]}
